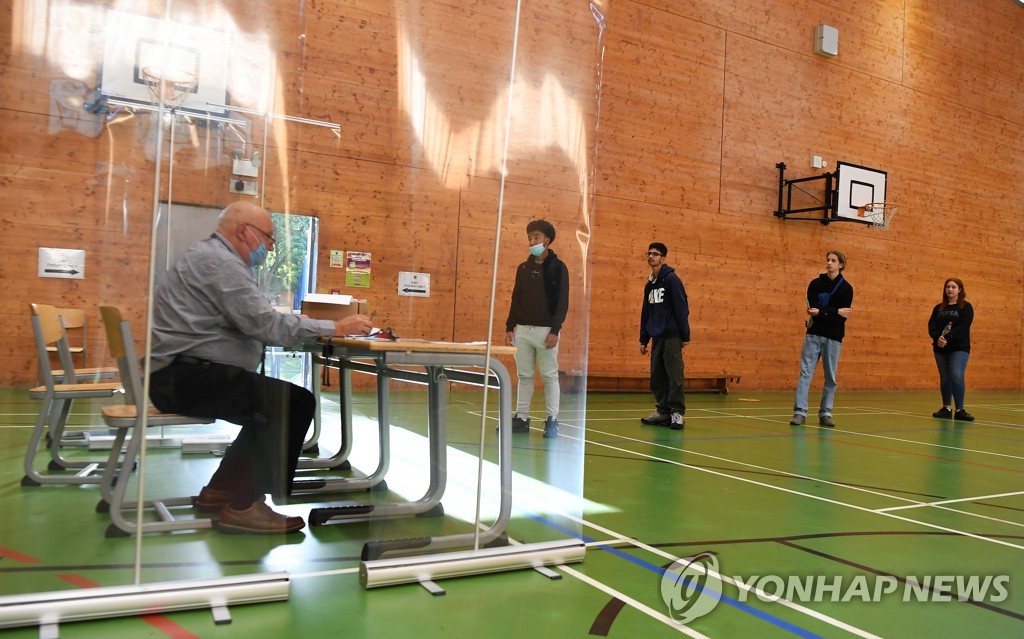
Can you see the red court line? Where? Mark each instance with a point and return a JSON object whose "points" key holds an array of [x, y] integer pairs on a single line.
{"points": [[18, 557], [160, 622], [891, 450], [79, 581]]}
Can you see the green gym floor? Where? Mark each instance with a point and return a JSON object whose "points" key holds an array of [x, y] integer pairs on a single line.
{"points": [[892, 507]]}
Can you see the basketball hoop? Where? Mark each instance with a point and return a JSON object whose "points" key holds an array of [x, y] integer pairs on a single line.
{"points": [[172, 85], [878, 213]]}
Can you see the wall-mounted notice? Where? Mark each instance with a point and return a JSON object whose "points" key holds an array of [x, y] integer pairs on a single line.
{"points": [[337, 259], [68, 264], [414, 284], [357, 272]]}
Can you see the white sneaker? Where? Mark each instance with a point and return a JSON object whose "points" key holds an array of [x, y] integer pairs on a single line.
{"points": [[677, 421]]}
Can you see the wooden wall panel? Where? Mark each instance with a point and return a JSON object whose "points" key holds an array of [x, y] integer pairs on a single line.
{"points": [[967, 53], [661, 109], [698, 103]]}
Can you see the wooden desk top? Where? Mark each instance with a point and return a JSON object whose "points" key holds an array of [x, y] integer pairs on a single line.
{"points": [[420, 346]]}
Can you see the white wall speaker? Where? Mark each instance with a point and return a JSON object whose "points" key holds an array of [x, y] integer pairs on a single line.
{"points": [[826, 40]]}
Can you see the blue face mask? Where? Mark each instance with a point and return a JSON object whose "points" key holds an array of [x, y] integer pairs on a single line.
{"points": [[537, 249], [259, 256]]}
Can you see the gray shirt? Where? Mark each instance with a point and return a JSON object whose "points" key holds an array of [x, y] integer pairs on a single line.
{"points": [[208, 306]]}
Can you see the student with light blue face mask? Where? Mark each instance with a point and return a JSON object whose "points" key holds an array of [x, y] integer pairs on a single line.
{"points": [[540, 302]]}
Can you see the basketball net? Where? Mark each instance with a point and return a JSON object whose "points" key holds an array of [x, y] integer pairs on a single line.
{"points": [[878, 213], [171, 85]]}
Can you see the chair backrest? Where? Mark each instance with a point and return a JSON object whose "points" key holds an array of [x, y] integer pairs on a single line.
{"points": [[122, 349], [48, 331], [72, 317]]}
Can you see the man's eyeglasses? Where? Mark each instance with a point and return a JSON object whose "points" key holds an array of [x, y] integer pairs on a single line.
{"points": [[653, 254], [265, 234]]}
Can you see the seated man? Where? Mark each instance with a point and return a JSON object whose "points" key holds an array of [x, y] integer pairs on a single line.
{"points": [[210, 326]]}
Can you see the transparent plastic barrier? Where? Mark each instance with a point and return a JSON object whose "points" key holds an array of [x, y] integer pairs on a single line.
{"points": [[393, 146]]}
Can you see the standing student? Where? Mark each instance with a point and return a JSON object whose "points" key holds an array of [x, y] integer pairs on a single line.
{"points": [[540, 302], [829, 298], [950, 329], [665, 325]]}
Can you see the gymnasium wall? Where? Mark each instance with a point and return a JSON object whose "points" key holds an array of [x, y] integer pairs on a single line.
{"points": [[697, 104]]}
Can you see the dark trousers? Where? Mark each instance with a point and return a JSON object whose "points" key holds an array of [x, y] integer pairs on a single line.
{"points": [[667, 375], [274, 416]]}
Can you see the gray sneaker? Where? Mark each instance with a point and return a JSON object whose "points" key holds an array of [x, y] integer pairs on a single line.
{"points": [[798, 420], [826, 420], [656, 419], [677, 421], [550, 428]]}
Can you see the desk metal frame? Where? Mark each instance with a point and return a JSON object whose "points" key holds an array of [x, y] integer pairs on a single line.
{"points": [[442, 362]]}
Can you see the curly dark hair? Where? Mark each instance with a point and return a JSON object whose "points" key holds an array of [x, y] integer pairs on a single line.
{"points": [[543, 226]]}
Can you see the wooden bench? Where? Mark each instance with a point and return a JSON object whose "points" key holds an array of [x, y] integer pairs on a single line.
{"points": [[626, 382]]}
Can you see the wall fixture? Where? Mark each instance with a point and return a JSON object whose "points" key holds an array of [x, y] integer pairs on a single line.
{"points": [[826, 40], [246, 167]]}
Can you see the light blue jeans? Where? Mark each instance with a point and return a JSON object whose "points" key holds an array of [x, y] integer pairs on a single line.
{"points": [[827, 350], [531, 355]]}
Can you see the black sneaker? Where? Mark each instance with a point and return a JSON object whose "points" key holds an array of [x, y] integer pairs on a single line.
{"points": [[656, 419], [550, 428], [520, 425], [943, 413], [963, 416]]}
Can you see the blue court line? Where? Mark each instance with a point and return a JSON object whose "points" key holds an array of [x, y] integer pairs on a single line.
{"points": [[739, 605]]}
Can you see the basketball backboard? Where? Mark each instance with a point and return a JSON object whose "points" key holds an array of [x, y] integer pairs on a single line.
{"points": [[855, 187], [838, 196], [135, 42]]}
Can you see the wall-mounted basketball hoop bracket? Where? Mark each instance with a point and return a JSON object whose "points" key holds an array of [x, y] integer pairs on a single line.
{"points": [[838, 196], [824, 207]]}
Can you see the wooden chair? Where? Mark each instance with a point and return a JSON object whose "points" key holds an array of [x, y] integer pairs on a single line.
{"points": [[126, 419], [57, 398], [73, 318]]}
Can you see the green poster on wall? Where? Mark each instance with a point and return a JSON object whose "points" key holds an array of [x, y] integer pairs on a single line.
{"points": [[358, 268]]}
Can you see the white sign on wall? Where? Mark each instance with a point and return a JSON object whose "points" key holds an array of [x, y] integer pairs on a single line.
{"points": [[67, 264], [414, 284]]}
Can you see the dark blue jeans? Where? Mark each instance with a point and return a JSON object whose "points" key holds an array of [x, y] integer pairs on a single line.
{"points": [[951, 376]]}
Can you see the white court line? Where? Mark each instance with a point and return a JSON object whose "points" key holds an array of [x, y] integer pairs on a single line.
{"points": [[715, 414], [988, 423], [757, 467], [647, 610], [800, 494], [895, 439], [739, 584], [620, 538], [970, 514], [913, 502], [950, 501], [322, 573]]}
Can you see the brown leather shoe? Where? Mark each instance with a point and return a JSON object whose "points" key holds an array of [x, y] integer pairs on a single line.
{"points": [[211, 500], [258, 519]]}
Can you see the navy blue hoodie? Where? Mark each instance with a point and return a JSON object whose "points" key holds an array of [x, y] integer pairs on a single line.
{"points": [[665, 312]]}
